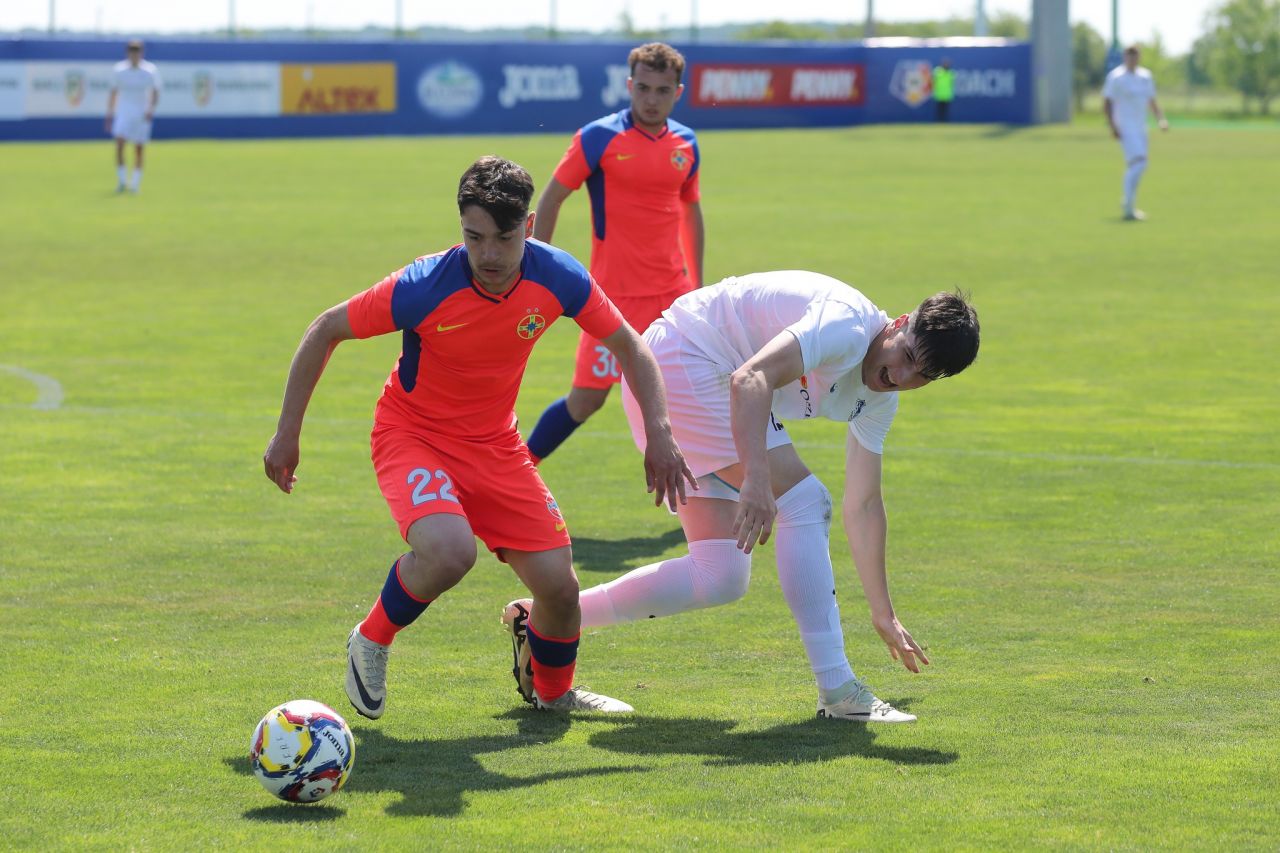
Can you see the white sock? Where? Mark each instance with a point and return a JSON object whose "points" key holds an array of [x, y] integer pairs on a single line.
{"points": [[121, 173], [802, 542], [137, 178], [713, 572], [1132, 176]]}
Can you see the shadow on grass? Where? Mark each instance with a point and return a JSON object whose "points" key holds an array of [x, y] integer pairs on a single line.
{"points": [[295, 813], [613, 555], [433, 776], [792, 743]]}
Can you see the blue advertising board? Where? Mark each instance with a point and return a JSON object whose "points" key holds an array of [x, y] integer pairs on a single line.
{"points": [[58, 89]]}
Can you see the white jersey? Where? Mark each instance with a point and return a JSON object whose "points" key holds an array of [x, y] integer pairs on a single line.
{"points": [[1129, 93], [133, 87], [833, 323]]}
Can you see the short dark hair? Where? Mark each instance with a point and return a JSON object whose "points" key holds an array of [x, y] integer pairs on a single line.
{"points": [[135, 44], [504, 189], [1133, 49], [946, 332], [657, 56]]}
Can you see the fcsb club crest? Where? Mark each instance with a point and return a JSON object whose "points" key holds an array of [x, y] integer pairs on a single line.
{"points": [[912, 82], [75, 87], [680, 159], [554, 508], [530, 326]]}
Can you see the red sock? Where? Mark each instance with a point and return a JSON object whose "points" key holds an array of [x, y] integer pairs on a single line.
{"points": [[554, 660], [377, 627]]}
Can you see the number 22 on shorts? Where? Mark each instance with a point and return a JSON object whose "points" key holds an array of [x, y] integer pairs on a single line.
{"points": [[424, 478]]}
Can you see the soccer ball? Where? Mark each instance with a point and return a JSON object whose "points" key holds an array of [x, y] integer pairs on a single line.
{"points": [[302, 751]]}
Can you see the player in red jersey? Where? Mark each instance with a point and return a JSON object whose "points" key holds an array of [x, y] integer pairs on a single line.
{"points": [[641, 171], [448, 458]]}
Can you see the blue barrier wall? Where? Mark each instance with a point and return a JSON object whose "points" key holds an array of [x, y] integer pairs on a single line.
{"points": [[56, 89]]}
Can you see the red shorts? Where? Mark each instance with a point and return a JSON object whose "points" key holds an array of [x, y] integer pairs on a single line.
{"points": [[494, 486], [595, 366]]}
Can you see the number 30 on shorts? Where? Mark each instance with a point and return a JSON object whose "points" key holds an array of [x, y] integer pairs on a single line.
{"points": [[606, 364], [424, 478]]}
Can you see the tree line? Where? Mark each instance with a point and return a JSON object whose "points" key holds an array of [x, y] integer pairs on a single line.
{"points": [[1239, 48]]}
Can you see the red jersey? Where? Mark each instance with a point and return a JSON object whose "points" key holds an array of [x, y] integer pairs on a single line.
{"points": [[465, 349], [638, 185]]}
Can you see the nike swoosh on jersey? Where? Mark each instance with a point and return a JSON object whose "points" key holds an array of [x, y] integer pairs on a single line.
{"points": [[441, 327], [624, 156], [560, 526]]}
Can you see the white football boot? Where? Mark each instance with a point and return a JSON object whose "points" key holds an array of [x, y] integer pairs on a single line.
{"points": [[366, 674], [578, 699], [860, 706], [515, 616]]}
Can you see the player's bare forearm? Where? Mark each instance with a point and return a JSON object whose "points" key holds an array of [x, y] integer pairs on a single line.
{"points": [[325, 332], [750, 399], [318, 343], [866, 525], [697, 229], [751, 387], [548, 210], [665, 470]]}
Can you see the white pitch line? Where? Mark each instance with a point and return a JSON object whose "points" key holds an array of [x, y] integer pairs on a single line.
{"points": [[48, 390]]}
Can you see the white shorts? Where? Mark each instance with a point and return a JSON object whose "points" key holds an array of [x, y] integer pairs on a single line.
{"points": [[698, 401], [1134, 143], [131, 128]]}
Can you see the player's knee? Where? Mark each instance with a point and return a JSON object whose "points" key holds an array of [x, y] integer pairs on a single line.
{"points": [[723, 571], [807, 502], [559, 600], [447, 562]]}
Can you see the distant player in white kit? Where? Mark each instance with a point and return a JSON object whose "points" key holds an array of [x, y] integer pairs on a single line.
{"points": [[135, 91], [735, 358], [1126, 95]]}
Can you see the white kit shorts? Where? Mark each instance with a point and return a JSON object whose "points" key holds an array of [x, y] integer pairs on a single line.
{"points": [[698, 402]]}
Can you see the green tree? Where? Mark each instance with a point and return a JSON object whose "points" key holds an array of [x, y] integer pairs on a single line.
{"points": [[1008, 25], [1246, 54], [786, 31], [1170, 72], [1088, 61]]}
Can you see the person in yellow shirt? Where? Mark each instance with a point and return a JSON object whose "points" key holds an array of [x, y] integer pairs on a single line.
{"points": [[944, 89]]}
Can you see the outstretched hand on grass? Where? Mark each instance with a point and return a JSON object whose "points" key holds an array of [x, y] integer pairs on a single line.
{"points": [[901, 646]]}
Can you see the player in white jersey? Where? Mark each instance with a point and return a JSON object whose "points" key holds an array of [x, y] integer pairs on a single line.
{"points": [[1127, 93], [735, 358], [135, 91]]}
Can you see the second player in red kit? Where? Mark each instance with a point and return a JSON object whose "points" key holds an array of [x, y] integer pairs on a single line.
{"points": [[641, 171]]}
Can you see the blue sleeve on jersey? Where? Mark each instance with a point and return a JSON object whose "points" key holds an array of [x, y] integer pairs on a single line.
{"points": [[559, 272], [597, 136], [426, 283], [687, 133]]}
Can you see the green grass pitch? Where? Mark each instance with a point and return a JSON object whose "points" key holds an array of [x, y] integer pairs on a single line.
{"points": [[1083, 527]]}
